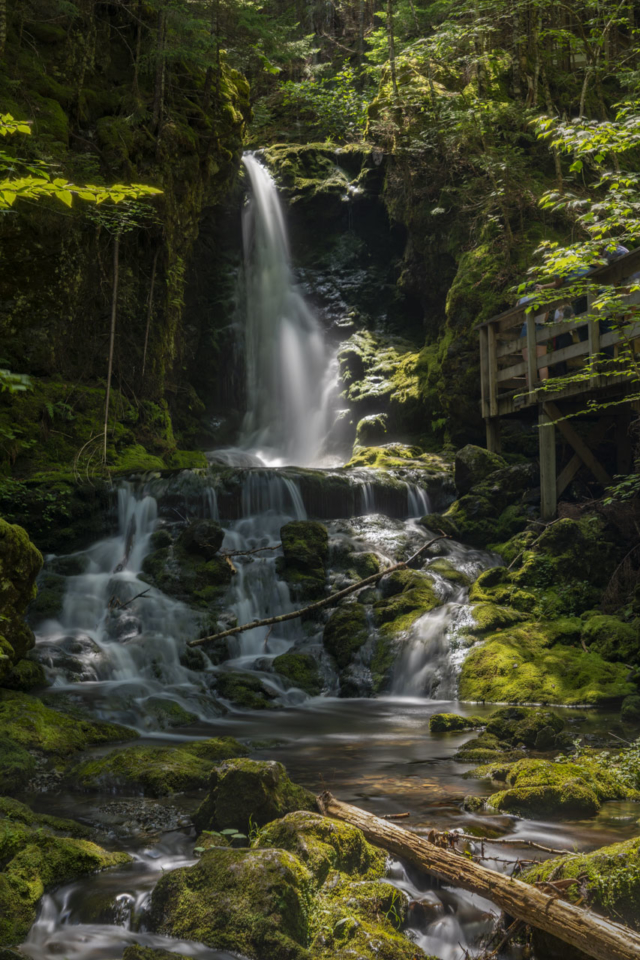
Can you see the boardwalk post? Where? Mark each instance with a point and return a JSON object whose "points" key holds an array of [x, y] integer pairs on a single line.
{"points": [[532, 356], [494, 441], [547, 447]]}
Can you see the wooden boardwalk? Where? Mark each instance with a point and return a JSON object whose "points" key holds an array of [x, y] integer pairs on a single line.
{"points": [[511, 385]]}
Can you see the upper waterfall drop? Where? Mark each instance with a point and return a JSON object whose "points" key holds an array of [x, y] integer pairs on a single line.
{"points": [[291, 374]]}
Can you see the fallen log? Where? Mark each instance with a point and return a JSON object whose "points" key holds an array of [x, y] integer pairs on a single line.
{"points": [[595, 935], [326, 602]]}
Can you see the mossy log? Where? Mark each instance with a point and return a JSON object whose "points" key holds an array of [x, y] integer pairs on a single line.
{"points": [[594, 935]]}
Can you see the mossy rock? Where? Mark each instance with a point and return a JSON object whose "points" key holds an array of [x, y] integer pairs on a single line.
{"points": [[246, 793], [346, 630], [613, 639], [29, 723], [489, 617], [407, 595], [153, 771], [20, 563], [191, 568], [570, 801], [485, 749], [473, 464], [611, 878], [444, 568], [323, 845], [25, 675], [452, 722], [245, 690], [630, 710], [168, 714], [299, 670], [48, 602], [17, 766], [305, 548], [20, 813], [519, 725], [137, 952], [254, 902], [524, 665], [33, 861]]}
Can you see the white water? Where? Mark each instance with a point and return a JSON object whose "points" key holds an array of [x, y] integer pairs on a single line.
{"points": [[291, 379]]}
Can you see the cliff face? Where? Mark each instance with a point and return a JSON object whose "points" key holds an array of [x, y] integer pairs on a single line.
{"points": [[89, 83]]}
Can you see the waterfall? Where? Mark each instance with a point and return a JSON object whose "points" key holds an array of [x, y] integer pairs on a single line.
{"points": [[417, 501], [291, 380]]}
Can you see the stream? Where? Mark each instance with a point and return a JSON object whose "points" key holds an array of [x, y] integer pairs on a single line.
{"points": [[117, 659]]}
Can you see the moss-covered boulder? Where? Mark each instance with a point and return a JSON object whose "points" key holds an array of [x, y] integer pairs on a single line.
{"points": [[305, 548], [445, 569], [299, 670], [630, 709], [525, 665], [485, 749], [29, 723], [323, 845], [255, 902], [472, 465], [607, 879], [33, 860], [407, 595], [137, 952], [565, 791], [533, 728], [153, 771], [246, 793], [452, 722], [613, 639], [346, 631], [17, 765], [245, 690], [25, 675], [20, 563], [190, 567]]}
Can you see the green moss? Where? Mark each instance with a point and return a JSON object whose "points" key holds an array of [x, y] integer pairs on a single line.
{"points": [[29, 723], [486, 748], [613, 639], [630, 710], [524, 664], [473, 464], [137, 952], [245, 690], [305, 547], [255, 902], [611, 876], [34, 860], [20, 564], [444, 568], [452, 722], [345, 632], [168, 713], [398, 456], [489, 617], [26, 675], [190, 569], [408, 594], [17, 765], [301, 670], [153, 771], [323, 845], [245, 793], [18, 812], [187, 460], [47, 604]]}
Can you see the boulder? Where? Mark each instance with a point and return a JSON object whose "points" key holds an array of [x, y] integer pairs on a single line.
{"points": [[245, 690], [249, 793], [299, 670], [452, 722], [20, 563], [630, 710], [305, 548], [347, 630], [473, 464]]}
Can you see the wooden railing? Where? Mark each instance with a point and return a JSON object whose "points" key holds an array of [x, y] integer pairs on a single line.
{"points": [[510, 382]]}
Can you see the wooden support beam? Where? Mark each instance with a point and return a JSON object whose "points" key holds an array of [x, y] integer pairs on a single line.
{"points": [[578, 444], [494, 441], [492, 370], [595, 437], [547, 449], [532, 356], [484, 372], [594, 337]]}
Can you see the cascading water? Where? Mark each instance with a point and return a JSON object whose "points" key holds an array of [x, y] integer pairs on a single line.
{"points": [[291, 379]]}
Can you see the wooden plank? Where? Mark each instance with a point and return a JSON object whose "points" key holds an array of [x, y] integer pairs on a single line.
{"points": [[594, 340], [549, 359], [550, 330], [484, 372], [532, 348], [494, 441], [595, 437], [547, 451], [493, 371], [507, 403], [578, 444]]}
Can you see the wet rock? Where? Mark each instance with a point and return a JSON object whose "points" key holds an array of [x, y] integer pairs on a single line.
{"points": [[448, 722], [485, 748], [305, 547], [48, 602], [123, 626], [77, 659], [246, 793], [299, 670], [18, 812], [345, 633], [203, 537], [33, 860], [141, 818], [532, 728], [190, 568], [444, 568], [472, 465], [406, 595], [17, 766], [473, 804], [245, 690], [137, 952], [168, 714], [153, 771]]}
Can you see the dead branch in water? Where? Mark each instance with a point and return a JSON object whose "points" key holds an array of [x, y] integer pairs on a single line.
{"points": [[327, 602]]}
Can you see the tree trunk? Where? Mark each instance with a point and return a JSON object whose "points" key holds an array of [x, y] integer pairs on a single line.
{"points": [[596, 936], [149, 309], [3, 26], [112, 340], [158, 95], [392, 48]]}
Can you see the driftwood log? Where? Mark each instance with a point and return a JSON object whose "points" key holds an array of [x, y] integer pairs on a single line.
{"points": [[596, 936], [326, 602]]}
